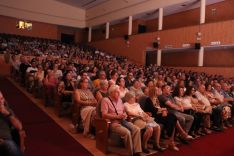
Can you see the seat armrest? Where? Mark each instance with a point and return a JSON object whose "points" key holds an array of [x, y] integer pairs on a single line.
{"points": [[102, 133]]}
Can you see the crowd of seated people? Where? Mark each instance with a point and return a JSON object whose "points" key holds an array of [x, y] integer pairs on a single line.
{"points": [[187, 104]]}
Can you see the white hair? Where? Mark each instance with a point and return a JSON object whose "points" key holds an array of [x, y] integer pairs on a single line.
{"points": [[113, 88], [103, 82]]}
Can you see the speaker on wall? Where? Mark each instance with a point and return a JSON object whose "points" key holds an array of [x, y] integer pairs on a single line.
{"points": [[126, 37], [155, 44], [197, 45]]}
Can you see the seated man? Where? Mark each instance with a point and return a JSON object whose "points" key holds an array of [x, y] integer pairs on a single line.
{"points": [[112, 108], [7, 119], [167, 101]]}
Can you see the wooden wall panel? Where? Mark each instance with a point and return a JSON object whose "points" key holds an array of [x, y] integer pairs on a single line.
{"points": [[222, 31], [223, 11], [179, 36], [219, 58], [180, 58], [43, 30]]}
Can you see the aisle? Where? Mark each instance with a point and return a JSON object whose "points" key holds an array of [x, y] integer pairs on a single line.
{"points": [[44, 136]]}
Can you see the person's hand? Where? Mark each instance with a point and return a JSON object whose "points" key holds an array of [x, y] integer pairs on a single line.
{"points": [[121, 116], [164, 113], [4, 110]]}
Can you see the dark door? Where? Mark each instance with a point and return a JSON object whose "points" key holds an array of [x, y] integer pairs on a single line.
{"points": [[67, 38], [151, 58]]}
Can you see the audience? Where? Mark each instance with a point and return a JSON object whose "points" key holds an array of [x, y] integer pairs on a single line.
{"points": [[200, 102]]}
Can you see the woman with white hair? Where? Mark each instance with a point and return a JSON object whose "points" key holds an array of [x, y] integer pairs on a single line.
{"points": [[103, 91], [143, 121]]}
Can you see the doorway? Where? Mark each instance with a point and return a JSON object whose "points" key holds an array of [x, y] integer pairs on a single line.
{"points": [[67, 38], [151, 57]]}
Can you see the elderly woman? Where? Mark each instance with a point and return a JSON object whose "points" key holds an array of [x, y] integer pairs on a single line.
{"points": [[136, 89], [143, 121], [87, 102], [103, 91]]}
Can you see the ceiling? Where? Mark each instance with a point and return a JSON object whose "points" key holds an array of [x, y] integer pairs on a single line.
{"points": [[84, 4], [192, 4], [95, 5]]}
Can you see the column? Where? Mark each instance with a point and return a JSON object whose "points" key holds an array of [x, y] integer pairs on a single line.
{"points": [[107, 30], [202, 21], [203, 11], [200, 57], [160, 19], [159, 56], [130, 25], [90, 34]]}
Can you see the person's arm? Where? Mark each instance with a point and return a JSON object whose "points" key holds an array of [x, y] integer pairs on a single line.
{"points": [[81, 102], [61, 88], [11, 117], [98, 96], [130, 112], [173, 106]]}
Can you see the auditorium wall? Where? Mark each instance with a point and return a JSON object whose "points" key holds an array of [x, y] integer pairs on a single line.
{"points": [[175, 38], [42, 30], [116, 30], [223, 11]]}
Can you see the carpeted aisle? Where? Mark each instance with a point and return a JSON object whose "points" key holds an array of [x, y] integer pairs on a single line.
{"points": [[44, 136], [215, 144]]}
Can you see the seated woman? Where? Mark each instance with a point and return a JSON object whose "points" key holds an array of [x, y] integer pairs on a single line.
{"points": [[65, 90], [50, 83], [122, 89], [103, 91], [86, 100], [38, 80], [186, 101], [136, 89], [162, 116], [143, 121]]}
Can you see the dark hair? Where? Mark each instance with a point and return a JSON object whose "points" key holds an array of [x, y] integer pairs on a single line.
{"points": [[81, 81], [164, 86], [176, 91], [188, 91], [113, 72], [118, 80], [207, 85]]}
